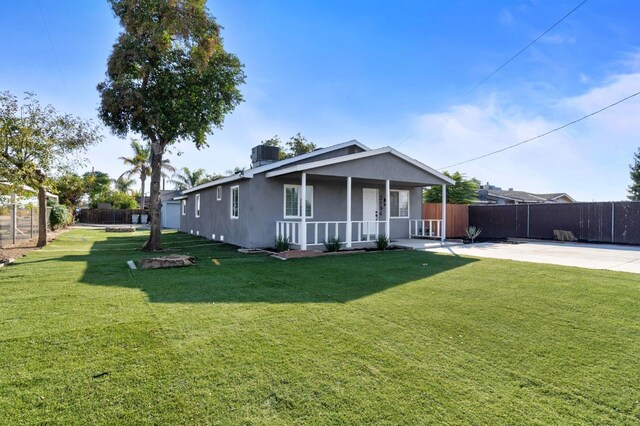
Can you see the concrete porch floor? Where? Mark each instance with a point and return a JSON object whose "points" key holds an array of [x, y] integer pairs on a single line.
{"points": [[591, 256]]}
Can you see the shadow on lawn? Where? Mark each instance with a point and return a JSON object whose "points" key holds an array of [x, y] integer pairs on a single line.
{"points": [[242, 278]]}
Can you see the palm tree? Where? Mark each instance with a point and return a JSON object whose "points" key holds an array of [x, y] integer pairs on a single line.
{"points": [[188, 179], [124, 184], [139, 164]]}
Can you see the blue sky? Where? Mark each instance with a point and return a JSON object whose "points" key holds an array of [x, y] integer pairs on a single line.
{"points": [[387, 74]]}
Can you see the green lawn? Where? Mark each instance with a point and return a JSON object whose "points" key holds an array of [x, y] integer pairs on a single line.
{"points": [[383, 338]]}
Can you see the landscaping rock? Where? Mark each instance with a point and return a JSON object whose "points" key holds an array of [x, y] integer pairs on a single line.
{"points": [[171, 261], [120, 229]]}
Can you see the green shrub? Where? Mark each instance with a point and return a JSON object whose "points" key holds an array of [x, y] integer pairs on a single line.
{"points": [[333, 244], [281, 244], [382, 242], [59, 216]]}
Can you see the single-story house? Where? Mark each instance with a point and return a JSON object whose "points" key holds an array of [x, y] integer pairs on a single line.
{"points": [[346, 190], [490, 194]]}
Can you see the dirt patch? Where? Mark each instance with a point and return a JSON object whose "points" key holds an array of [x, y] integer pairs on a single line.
{"points": [[171, 261], [24, 247]]}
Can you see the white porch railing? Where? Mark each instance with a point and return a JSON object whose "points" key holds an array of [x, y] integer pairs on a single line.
{"points": [[318, 232], [425, 228]]}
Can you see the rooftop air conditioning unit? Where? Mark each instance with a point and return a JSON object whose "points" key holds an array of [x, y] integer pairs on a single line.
{"points": [[264, 154]]}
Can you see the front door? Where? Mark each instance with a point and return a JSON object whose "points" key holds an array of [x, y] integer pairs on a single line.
{"points": [[370, 212]]}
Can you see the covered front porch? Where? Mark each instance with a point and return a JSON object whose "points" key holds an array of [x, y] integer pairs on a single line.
{"points": [[353, 204]]}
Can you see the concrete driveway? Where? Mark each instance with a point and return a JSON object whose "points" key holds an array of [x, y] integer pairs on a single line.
{"points": [[591, 256]]}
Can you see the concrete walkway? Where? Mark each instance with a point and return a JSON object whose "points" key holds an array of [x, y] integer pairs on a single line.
{"points": [[591, 256]]}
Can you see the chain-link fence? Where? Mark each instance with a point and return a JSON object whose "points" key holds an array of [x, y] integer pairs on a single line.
{"points": [[18, 224]]}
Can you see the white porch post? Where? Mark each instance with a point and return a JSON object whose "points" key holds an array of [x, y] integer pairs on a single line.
{"points": [[387, 208], [443, 230], [348, 231], [303, 222]]}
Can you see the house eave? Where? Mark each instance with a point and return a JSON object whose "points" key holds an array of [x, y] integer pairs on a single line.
{"points": [[360, 155], [249, 174]]}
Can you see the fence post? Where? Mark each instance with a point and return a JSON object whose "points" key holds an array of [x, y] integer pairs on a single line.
{"points": [[528, 216], [14, 222], [613, 220]]}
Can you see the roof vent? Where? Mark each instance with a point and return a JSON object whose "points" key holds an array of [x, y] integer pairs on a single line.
{"points": [[264, 154]]}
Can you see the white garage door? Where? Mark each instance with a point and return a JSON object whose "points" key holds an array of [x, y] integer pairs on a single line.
{"points": [[171, 215]]}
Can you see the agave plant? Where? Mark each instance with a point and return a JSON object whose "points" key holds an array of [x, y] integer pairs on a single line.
{"points": [[473, 232]]}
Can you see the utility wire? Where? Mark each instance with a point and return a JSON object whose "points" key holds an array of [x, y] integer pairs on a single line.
{"points": [[53, 49], [543, 134], [523, 49]]}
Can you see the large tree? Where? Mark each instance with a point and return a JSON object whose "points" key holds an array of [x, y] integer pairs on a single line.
{"points": [[463, 192], [169, 79], [35, 142], [296, 145], [634, 188], [70, 188]]}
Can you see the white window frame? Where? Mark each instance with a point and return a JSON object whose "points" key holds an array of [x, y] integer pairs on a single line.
{"points": [[233, 189], [218, 193], [391, 216], [184, 207], [284, 201], [197, 205]]}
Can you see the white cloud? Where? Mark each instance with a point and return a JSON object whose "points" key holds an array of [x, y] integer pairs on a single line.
{"points": [[587, 160]]}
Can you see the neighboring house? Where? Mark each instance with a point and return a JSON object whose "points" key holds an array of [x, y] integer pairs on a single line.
{"points": [[489, 194], [169, 209], [347, 190]]}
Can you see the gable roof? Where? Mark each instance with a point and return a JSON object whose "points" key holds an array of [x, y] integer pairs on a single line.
{"points": [[351, 157], [248, 174]]}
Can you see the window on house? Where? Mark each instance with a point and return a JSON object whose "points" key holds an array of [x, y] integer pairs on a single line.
{"points": [[184, 207], [293, 204], [235, 202], [197, 205], [399, 203], [219, 193]]}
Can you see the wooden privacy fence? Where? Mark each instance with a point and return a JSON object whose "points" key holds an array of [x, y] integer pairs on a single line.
{"points": [[111, 216], [457, 217], [607, 222]]}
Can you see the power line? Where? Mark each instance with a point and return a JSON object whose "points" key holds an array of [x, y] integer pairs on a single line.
{"points": [[524, 48], [53, 49], [543, 134]]}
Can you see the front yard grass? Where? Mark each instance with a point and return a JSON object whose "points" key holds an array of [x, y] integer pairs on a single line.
{"points": [[383, 338]]}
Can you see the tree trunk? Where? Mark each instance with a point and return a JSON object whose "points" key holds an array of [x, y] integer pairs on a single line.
{"points": [[143, 178], [42, 216], [154, 243]]}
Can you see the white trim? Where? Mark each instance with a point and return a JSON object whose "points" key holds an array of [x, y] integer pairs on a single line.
{"points": [[183, 207], [237, 188], [349, 226], [284, 201], [303, 219], [387, 207], [197, 209], [408, 203], [443, 228], [180, 197], [218, 193], [249, 174], [358, 156]]}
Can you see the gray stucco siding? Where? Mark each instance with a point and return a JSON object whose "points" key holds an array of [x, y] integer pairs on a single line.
{"points": [[383, 167], [262, 204]]}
